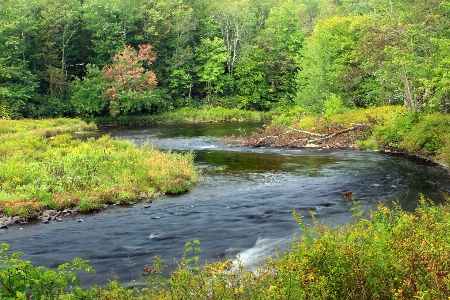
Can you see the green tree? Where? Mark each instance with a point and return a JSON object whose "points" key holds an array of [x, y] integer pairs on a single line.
{"points": [[410, 52], [87, 93], [327, 52], [111, 24], [251, 80], [237, 23], [181, 43], [17, 83], [211, 59], [282, 40]]}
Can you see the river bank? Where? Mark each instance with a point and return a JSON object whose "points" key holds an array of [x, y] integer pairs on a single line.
{"points": [[388, 129], [44, 166]]}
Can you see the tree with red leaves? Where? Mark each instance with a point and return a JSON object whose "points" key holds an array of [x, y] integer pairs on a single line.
{"points": [[130, 81]]}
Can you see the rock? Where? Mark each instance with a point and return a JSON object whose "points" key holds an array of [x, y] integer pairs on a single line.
{"points": [[80, 220], [49, 213], [34, 215], [146, 206], [4, 226], [45, 220]]}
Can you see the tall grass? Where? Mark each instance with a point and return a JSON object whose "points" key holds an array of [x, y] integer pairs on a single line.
{"points": [[38, 172]]}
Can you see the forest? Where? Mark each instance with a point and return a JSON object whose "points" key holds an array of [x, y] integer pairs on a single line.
{"points": [[97, 58]]}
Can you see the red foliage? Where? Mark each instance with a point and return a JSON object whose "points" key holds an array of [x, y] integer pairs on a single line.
{"points": [[128, 74]]}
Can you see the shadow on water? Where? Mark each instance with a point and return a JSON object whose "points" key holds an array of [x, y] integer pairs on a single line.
{"points": [[242, 204]]}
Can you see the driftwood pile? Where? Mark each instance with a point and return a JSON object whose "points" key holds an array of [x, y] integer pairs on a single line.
{"points": [[327, 136]]}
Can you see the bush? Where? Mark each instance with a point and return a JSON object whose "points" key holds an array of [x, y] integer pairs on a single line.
{"points": [[392, 134], [429, 135], [19, 279]]}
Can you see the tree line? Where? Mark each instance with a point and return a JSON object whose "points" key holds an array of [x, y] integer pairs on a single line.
{"points": [[134, 57]]}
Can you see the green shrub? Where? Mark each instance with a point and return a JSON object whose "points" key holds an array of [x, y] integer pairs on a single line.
{"points": [[333, 106], [392, 134], [429, 135], [19, 279]]}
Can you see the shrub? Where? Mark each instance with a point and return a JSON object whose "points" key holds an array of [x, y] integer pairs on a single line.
{"points": [[429, 135], [19, 279]]}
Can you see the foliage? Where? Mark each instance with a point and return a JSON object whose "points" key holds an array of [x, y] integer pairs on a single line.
{"points": [[211, 56], [129, 82], [19, 279], [333, 105], [260, 54], [87, 93], [123, 88], [188, 247]]}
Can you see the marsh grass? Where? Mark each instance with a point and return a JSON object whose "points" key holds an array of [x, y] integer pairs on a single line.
{"points": [[42, 168]]}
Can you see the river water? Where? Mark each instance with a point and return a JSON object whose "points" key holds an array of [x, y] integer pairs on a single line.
{"points": [[242, 204]]}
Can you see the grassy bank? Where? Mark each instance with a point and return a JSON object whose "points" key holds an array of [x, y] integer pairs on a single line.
{"points": [[188, 115], [391, 128], [393, 255], [43, 167]]}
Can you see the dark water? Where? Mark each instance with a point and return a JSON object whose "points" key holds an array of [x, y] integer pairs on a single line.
{"points": [[242, 204]]}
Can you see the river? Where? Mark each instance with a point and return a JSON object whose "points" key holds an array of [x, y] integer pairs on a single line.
{"points": [[242, 204]]}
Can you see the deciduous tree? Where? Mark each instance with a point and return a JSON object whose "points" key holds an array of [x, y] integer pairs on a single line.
{"points": [[129, 80]]}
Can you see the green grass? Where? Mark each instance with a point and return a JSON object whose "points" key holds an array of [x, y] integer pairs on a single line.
{"points": [[40, 170], [188, 115]]}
